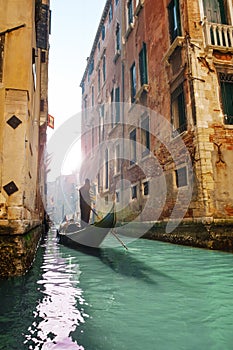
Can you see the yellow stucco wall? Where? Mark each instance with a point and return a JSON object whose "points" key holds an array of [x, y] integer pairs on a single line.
{"points": [[19, 96]]}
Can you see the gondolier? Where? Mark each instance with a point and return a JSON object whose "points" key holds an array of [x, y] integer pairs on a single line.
{"points": [[85, 203]]}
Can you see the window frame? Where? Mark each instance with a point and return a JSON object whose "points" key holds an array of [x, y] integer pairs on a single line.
{"points": [[103, 32], [148, 188], [117, 105], [133, 146], [130, 13], [180, 179], [133, 82], [117, 159], [143, 65], [226, 92], [134, 192], [99, 80], [104, 68], [92, 96], [118, 38], [106, 169], [110, 14], [174, 20], [178, 110], [145, 135]]}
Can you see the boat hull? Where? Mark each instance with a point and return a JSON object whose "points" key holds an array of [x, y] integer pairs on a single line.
{"points": [[90, 236]]}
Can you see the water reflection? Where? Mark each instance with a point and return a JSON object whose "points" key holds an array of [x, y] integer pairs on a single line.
{"points": [[125, 263], [57, 313]]}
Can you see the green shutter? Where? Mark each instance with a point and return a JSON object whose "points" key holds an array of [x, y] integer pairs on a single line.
{"points": [[117, 100], [227, 101], [143, 65], [215, 11], [174, 19]]}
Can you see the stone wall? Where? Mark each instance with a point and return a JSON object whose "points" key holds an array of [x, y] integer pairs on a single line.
{"points": [[17, 252], [213, 236]]}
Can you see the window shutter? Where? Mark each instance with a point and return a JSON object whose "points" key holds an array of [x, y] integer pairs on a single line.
{"points": [[143, 65], [117, 100], [215, 11]]}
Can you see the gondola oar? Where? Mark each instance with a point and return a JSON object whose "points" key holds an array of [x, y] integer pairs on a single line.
{"points": [[112, 232], [121, 242]]}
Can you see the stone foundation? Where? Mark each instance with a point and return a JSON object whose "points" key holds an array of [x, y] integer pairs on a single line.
{"points": [[212, 236], [17, 252]]}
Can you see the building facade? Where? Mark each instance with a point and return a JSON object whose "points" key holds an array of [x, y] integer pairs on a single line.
{"points": [[24, 46], [157, 107]]}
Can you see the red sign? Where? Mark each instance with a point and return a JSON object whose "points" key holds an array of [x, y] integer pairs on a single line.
{"points": [[50, 121]]}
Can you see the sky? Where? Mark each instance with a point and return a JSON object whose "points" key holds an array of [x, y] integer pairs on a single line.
{"points": [[73, 28], [74, 24]]}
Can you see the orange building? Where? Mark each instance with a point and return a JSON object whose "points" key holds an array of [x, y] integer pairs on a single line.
{"points": [[157, 110]]}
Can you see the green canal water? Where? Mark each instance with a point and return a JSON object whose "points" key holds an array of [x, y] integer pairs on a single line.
{"points": [[155, 296]]}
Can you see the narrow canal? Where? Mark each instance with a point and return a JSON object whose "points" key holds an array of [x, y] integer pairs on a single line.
{"points": [[156, 296]]}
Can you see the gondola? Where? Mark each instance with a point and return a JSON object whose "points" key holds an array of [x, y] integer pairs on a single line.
{"points": [[90, 236]]}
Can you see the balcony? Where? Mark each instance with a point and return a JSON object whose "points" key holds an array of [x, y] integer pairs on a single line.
{"points": [[218, 36]]}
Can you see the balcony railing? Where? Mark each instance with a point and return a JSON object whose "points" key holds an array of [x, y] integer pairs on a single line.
{"points": [[218, 36]]}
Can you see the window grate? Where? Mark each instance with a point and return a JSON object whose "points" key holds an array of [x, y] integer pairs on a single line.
{"points": [[226, 78]]}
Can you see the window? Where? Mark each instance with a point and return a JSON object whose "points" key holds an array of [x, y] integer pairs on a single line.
{"points": [[145, 188], [106, 165], [92, 139], [85, 107], [101, 124], [226, 84], [98, 183], [133, 145], [104, 68], [117, 193], [181, 177], [130, 12], [92, 96], [133, 82], [43, 57], [174, 19], [110, 14], [103, 32], [83, 87], [143, 65], [91, 67], [178, 110], [118, 41], [215, 11], [2, 42], [112, 109], [42, 105], [145, 137], [117, 159], [117, 100], [98, 80], [134, 192]]}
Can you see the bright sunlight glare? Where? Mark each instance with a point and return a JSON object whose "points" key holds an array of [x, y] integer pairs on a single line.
{"points": [[73, 158]]}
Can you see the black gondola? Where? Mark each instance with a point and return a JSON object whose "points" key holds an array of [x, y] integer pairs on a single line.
{"points": [[89, 236]]}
